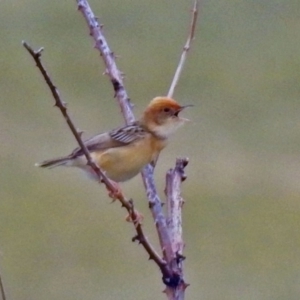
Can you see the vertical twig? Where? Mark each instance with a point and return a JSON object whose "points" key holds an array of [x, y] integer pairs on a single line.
{"points": [[175, 202], [186, 48], [3, 296], [160, 222], [174, 178]]}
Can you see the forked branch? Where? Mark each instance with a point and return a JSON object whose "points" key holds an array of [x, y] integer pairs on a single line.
{"points": [[155, 204]]}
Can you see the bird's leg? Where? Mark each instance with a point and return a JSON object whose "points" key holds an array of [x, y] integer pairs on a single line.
{"points": [[133, 216], [138, 218]]}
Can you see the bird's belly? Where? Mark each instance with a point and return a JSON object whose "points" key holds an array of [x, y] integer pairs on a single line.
{"points": [[123, 163]]}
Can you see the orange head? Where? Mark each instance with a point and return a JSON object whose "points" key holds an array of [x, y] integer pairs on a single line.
{"points": [[162, 116]]}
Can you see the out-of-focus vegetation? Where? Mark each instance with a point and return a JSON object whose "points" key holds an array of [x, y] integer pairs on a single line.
{"points": [[61, 239]]}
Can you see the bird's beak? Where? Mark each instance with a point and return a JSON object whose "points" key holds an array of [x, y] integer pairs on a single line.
{"points": [[182, 108], [185, 106]]}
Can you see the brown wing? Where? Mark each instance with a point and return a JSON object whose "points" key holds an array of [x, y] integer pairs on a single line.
{"points": [[116, 138], [128, 134]]}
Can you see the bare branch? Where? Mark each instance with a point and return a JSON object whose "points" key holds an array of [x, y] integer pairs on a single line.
{"points": [[3, 296], [108, 57], [175, 202], [147, 174], [186, 48], [63, 108], [155, 206], [128, 204]]}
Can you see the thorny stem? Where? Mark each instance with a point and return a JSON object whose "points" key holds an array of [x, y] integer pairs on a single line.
{"points": [[128, 204], [108, 57]]}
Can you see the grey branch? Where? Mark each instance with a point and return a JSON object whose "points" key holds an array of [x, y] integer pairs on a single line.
{"points": [[174, 178], [172, 275], [113, 72], [108, 57]]}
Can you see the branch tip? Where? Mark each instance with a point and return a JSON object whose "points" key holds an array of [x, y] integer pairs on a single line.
{"points": [[186, 49], [39, 51]]}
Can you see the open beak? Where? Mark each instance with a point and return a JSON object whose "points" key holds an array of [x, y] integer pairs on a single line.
{"points": [[185, 106], [182, 108]]}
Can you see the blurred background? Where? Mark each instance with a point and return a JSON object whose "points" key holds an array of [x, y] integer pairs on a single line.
{"points": [[60, 238]]}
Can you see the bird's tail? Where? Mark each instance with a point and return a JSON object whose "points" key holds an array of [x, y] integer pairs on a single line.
{"points": [[52, 163]]}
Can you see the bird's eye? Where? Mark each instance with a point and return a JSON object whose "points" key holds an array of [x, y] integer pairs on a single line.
{"points": [[166, 109]]}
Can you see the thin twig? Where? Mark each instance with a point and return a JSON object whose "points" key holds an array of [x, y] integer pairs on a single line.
{"points": [[3, 296], [186, 48], [128, 204], [63, 108]]}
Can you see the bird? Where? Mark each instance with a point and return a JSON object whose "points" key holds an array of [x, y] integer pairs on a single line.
{"points": [[123, 152]]}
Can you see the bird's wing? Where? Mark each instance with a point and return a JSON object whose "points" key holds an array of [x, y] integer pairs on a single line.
{"points": [[116, 138], [128, 134]]}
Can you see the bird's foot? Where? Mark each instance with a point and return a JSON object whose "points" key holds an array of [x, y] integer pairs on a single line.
{"points": [[116, 193], [136, 218]]}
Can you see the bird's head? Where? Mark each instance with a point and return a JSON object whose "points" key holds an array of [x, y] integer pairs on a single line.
{"points": [[162, 116]]}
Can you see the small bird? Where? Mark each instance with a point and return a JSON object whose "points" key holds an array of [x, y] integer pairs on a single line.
{"points": [[123, 152]]}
